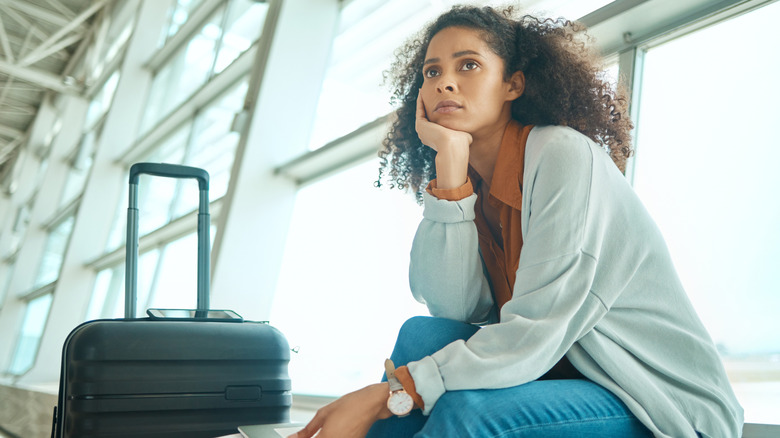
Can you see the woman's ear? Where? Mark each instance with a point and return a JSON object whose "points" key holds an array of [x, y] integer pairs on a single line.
{"points": [[516, 85]]}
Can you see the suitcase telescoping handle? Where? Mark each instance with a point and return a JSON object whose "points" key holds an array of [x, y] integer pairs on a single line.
{"points": [[204, 222]]}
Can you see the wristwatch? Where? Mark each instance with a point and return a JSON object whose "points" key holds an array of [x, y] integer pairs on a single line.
{"points": [[399, 402]]}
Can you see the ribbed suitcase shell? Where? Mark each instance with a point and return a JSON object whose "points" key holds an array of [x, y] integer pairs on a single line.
{"points": [[142, 377], [147, 378]]}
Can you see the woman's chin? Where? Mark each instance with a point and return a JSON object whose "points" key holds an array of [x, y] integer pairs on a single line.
{"points": [[449, 123]]}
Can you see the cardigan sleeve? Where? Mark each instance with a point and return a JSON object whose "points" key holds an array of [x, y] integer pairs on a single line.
{"points": [[446, 271], [552, 304]]}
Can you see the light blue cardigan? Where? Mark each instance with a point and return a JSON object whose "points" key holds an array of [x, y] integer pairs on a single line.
{"points": [[595, 282]]}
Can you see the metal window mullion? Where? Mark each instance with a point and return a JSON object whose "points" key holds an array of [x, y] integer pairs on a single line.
{"points": [[631, 69], [162, 236], [218, 45], [62, 214], [38, 292]]}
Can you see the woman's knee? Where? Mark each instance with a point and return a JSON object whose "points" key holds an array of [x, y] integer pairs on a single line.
{"points": [[422, 336]]}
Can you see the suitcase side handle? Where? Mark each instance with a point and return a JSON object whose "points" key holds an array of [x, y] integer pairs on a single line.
{"points": [[204, 222]]}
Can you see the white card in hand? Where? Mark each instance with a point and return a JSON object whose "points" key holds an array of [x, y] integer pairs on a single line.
{"points": [[270, 430]]}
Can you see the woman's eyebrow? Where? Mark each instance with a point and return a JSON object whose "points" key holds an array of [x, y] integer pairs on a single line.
{"points": [[454, 55]]}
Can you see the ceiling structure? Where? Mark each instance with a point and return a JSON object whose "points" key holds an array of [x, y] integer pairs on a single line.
{"points": [[41, 42]]}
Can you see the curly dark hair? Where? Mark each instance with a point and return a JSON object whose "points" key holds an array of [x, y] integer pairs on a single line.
{"points": [[564, 85]]}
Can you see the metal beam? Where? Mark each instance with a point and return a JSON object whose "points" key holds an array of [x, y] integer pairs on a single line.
{"points": [[53, 40], [22, 110], [37, 12], [34, 57], [7, 131], [9, 54], [38, 77], [32, 29], [7, 149], [63, 10]]}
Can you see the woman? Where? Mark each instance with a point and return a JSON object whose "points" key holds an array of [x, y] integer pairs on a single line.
{"points": [[530, 228]]}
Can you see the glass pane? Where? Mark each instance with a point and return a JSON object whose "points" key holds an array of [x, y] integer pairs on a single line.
{"points": [[154, 207], [188, 69], [99, 294], [154, 202], [30, 337], [21, 222], [148, 265], [102, 100], [708, 175], [213, 148], [122, 18], [54, 252], [119, 230], [176, 285], [355, 290], [108, 295], [80, 167], [155, 195], [244, 25], [119, 33], [179, 14]]}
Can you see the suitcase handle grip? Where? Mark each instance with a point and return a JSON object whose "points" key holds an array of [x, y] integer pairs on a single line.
{"points": [[170, 171], [204, 222]]}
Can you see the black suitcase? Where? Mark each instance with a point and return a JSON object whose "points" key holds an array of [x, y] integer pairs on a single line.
{"points": [[197, 376]]}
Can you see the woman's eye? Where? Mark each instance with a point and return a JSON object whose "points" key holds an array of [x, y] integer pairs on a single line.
{"points": [[470, 65], [430, 73]]}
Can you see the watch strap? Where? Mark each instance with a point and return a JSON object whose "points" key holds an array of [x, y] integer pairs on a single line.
{"points": [[395, 384]]}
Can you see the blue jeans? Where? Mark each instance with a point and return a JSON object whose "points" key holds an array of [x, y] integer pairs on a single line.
{"points": [[539, 409]]}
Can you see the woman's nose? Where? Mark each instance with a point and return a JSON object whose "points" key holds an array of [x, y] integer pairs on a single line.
{"points": [[445, 84]]}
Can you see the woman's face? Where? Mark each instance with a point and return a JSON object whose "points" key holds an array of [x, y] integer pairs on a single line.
{"points": [[463, 83]]}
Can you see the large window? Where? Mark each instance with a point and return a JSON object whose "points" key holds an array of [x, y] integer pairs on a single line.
{"points": [[225, 35], [188, 69], [30, 337], [80, 160], [167, 278], [343, 290], [54, 252], [179, 14], [207, 141], [706, 168]]}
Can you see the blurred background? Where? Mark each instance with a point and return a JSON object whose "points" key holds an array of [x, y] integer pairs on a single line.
{"points": [[283, 103]]}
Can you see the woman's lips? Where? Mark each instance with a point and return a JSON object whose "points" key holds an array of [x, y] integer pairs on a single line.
{"points": [[447, 106]]}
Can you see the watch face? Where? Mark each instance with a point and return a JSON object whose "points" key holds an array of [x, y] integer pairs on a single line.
{"points": [[400, 403]]}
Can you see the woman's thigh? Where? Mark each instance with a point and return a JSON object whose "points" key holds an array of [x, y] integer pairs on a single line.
{"points": [[422, 336], [549, 408], [539, 409], [419, 337]]}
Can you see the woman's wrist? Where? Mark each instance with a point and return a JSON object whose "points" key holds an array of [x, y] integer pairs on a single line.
{"points": [[452, 167], [382, 391]]}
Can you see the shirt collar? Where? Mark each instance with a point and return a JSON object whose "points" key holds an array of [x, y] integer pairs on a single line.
{"points": [[507, 183]]}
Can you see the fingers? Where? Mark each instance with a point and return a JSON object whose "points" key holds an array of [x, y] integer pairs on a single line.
{"points": [[310, 429], [421, 108], [422, 125]]}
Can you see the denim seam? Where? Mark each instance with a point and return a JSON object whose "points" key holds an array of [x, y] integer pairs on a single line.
{"points": [[560, 423]]}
